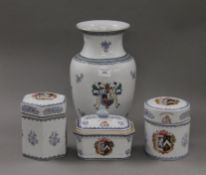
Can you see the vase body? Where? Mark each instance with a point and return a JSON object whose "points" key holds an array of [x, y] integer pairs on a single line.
{"points": [[102, 74]]}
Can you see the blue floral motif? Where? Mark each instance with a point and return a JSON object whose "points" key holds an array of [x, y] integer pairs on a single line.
{"points": [[106, 45], [185, 140], [129, 139], [85, 122], [79, 77], [81, 112], [90, 117], [127, 152], [185, 115], [133, 74], [30, 109], [53, 110], [80, 152], [121, 123], [79, 139], [32, 138], [54, 138], [148, 114]]}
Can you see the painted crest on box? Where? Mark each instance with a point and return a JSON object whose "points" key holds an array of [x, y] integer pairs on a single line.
{"points": [[163, 141], [104, 146]]}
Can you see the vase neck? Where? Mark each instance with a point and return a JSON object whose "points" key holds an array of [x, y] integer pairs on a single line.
{"points": [[103, 46]]}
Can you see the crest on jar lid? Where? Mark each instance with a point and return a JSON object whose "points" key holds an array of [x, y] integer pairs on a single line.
{"points": [[44, 96], [43, 104], [167, 103], [166, 110]]}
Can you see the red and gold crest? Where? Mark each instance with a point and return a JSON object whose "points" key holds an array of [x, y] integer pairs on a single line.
{"points": [[107, 94], [163, 141], [104, 146], [44, 96]]}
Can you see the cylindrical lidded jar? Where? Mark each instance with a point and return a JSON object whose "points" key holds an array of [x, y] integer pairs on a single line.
{"points": [[167, 127]]}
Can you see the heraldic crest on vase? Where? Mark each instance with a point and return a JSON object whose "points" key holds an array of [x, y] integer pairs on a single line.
{"points": [[163, 141], [104, 146], [106, 94]]}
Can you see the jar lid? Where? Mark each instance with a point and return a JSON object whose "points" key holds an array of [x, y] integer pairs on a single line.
{"points": [[104, 123], [167, 110], [43, 104]]}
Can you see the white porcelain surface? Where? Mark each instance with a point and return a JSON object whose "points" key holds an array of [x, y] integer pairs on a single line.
{"points": [[44, 139], [157, 110], [102, 26], [43, 125], [104, 147], [43, 104], [167, 127], [104, 136], [103, 46], [103, 73], [84, 76], [176, 139], [102, 121]]}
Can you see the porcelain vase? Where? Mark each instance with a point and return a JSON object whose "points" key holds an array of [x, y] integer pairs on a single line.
{"points": [[103, 73]]}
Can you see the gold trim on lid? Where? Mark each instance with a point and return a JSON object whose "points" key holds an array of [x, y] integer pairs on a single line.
{"points": [[121, 132]]}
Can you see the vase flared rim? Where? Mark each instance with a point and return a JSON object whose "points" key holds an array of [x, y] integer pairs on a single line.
{"points": [[102, 26]]}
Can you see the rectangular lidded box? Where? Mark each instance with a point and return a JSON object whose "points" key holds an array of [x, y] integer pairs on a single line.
{"points": [[104, 136]]}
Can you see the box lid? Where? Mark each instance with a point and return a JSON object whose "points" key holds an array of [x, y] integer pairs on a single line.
{"points": [[104, 123], [167, 110], [43, 104]]}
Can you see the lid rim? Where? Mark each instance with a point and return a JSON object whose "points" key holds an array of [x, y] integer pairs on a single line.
{"points": [[147, 105], [42, 106], [102, 26], [87, 135], [103, 131], [168, 125]]}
